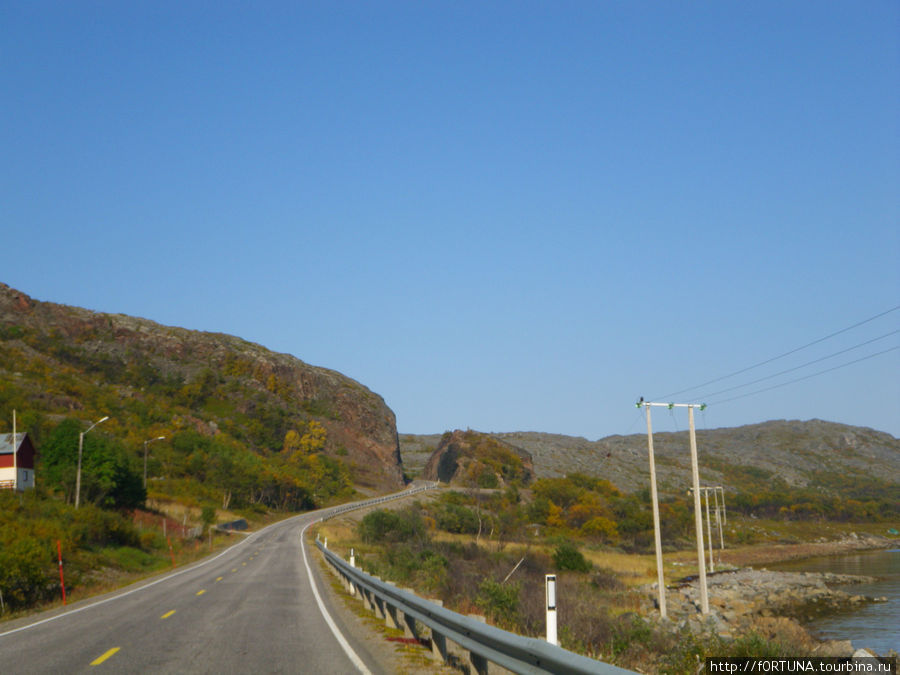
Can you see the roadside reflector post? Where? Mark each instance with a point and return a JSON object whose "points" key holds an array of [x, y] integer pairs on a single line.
{"points": [[550, 583], [62, 581], [352, 558]]}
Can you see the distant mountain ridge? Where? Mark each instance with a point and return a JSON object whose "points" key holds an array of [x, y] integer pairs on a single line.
{"points": [[801, 453], [51, 354]]}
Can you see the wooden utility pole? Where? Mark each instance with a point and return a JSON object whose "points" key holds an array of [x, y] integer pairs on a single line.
{"points": [[698, 518], [656, 532]]}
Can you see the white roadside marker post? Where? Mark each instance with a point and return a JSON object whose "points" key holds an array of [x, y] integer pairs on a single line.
{"points": [[550, 584]]}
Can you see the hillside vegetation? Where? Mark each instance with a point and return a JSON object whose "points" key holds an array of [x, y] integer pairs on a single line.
{"points": [[246, 432], [241, 423]]}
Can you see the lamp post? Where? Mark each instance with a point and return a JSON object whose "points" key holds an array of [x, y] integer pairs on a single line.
{"points": [[80, 447], [158, 438]]}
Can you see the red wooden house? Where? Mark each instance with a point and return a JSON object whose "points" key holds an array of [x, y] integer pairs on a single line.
{"points": [[16, 462]]}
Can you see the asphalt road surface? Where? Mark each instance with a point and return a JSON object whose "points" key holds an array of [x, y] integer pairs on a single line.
{"points": [[250, 609]]}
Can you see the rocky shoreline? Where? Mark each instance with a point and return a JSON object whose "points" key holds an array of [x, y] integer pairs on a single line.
{"points": [[768, 602]]}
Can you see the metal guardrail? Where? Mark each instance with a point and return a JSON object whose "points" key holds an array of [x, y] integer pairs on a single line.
{"points": [[338, 510], [485, 643]]}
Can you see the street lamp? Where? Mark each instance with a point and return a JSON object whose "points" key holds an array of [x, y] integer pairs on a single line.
{"points": [[80, 446], [158, 438]]}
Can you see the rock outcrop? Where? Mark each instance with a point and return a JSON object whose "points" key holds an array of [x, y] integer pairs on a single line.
{"points": [[474, 459], [769, 602]]}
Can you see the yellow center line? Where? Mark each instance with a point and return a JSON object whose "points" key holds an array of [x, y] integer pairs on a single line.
{"points": [[167, 614], [234, 570], [243, 564], [101, 659], [218, 578], [201, 591]]}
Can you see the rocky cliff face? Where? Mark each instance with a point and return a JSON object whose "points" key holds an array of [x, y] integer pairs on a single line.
{"points": [[217, 381], [477, 460]]}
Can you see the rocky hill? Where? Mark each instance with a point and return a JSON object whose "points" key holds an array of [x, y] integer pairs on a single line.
{"points": [[473, 459], [57, 360], [814, 453]]}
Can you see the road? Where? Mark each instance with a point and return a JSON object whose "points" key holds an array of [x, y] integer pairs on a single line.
{"points": [[248, 609]]}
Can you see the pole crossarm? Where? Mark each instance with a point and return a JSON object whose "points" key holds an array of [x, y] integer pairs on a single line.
{"points": [[642, 403]]}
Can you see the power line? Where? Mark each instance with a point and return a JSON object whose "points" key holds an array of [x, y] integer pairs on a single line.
{"points": [[780, 356], [806, 377], [790, 370]]}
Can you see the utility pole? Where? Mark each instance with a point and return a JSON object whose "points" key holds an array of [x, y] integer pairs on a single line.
{"points": [[15, 458], [720, 518], [698, 518], [712, 563], [656, 533], [720, 522], [716, 490], [158, 438], [695, 473]]}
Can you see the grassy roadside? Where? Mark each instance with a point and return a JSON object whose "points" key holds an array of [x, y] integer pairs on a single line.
{"points": [[479, 574], [101, 551]]}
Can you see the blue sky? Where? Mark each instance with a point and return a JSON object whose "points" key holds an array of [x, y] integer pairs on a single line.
{"points": [[503, 216]]}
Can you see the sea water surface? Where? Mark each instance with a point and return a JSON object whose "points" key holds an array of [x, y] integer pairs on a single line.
{"points": [[876, 625]]}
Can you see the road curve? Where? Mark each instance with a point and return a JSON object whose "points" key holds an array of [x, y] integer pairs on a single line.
{"points": [[248, 609]]}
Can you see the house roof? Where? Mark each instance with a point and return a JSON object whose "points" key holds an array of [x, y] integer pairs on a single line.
{"points": [[6, 442]]}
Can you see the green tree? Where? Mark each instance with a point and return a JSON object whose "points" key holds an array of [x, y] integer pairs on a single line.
{"points": [[109, 475]]}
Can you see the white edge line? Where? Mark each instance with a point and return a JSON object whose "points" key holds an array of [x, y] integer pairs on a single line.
{"points": [[348, 650]]}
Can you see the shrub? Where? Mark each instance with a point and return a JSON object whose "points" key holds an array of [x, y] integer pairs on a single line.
{"points": [[487, 479], [392, 526], [23, 573], [456, 518], [500, 602], [568, 557]]}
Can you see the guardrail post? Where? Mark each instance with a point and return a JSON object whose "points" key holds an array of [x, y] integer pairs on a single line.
{"points": [[409, 621], [391, 617], [378, 606], [439, 646], [479, 663]]}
